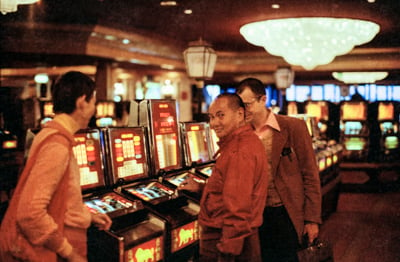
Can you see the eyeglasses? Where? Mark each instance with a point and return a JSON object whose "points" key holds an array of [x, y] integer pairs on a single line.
{"points": [[254, 99]]}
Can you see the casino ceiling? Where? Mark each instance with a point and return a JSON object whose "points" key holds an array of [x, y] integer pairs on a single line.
{"points": [[70, 33]]}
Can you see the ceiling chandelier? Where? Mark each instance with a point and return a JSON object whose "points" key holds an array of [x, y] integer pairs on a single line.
{"points": [[359, 77], [309, 41], [9, 6]]}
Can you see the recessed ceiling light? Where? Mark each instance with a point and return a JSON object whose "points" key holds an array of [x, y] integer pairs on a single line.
{"points": [[188, 11], [168, 3], [126, 41], [275, 6], [371, 1]]}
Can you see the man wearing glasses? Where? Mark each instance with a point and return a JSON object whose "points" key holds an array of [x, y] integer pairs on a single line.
{"points": [[293, 208]]}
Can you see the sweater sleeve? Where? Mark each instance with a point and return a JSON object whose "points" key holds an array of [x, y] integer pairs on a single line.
{"points": [[32, 215]]}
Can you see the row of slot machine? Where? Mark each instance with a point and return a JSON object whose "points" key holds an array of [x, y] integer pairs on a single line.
{"points": [[367, 131], [133, 174]]}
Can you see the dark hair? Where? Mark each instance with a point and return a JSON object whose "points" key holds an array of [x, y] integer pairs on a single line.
{"points": [[234, 101], [68, 88], [255, 85]]}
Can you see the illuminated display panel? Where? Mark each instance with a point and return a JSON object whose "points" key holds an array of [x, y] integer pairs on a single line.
{"points": [[9, 144], [388, 127], [385, 111], [353, 111], [214, 143], [151, 191], [196, 142], [48, 109], [150, 251], [127, 153], [179, 179], [165, 135], [319, 110], [87, 152], [355, 143], [352, 128], [391, 142], [105, 109], [206, 170], [109, 203], [184, 236]]}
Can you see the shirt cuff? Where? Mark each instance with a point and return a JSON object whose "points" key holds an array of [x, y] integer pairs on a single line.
{"points": [[65, 249]]}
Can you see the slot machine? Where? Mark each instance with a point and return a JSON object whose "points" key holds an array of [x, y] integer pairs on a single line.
{"points": [[198, 137], [46, 111], [354, 130], [135, 234], [321, 111], [105, 114], [196, 156], [159, 117], [9, 162], [389, 129]]}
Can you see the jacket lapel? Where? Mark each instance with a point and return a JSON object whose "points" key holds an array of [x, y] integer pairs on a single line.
{"points": [[279, 139]]}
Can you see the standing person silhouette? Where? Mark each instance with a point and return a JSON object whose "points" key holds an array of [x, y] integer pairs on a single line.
{"points": [[46, 219], [234, 197], [293, 207]]}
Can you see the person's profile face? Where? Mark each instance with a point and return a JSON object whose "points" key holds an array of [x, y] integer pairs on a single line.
{"points": [[222, 118], [89, 108], [253, 103]]}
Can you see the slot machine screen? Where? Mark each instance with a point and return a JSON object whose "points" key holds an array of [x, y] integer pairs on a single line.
{"points": [[319, 110], [127, 153], [385, 111], [105, 114], [196, 142], [354, 111], [355, 143], [214, 143], [352, 128], [151, 191], [388, 128], [181, 178], [104, 109], [87, 152], [165, 136], [48, 109], [391, 142], [108, 204]]}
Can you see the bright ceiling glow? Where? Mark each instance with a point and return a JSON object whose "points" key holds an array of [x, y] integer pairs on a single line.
{"points": [[10, 6], [309, 41], [359, 77]]}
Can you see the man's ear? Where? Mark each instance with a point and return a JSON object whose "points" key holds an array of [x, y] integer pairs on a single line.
{"points": [[80, 102], [263, 98], [241, 111]]}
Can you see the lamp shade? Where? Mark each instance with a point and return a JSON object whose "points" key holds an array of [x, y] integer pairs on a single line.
{"points": [[309, 41], [200, 60], [284, 77]]}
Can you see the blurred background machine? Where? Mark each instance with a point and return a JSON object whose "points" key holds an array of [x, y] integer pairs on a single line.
{"points": [[354, 130]]}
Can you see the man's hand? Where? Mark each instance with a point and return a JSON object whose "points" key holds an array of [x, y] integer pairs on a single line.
{"points": [[101, 221], [311, 230], [192, 184]]}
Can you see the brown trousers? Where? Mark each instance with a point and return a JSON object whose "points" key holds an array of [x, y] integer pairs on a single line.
{"points": [[209, 237]]}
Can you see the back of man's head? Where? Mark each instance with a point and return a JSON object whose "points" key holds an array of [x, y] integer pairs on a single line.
{"points": [[234, 101], [68, 88], [255, 85]]}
